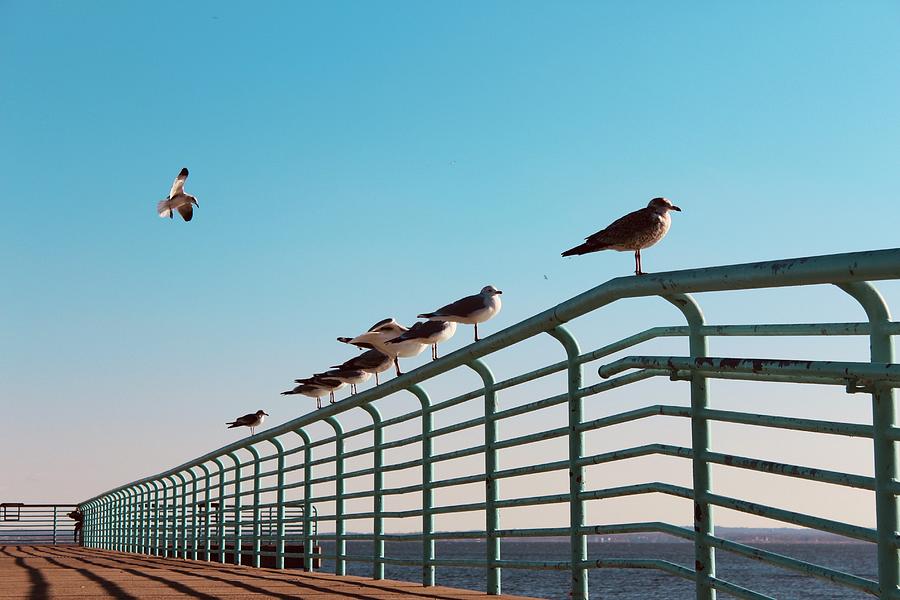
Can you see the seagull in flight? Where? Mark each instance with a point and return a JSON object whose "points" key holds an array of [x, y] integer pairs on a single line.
{"points": [[471, 310], [178, 200], [634, 232], [253, 420]]}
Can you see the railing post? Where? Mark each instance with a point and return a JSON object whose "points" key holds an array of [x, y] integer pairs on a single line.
{"points": [[257, 526], [194, 524], [704, 523], [377, 493], [238, 541], [884, 418], [205, 522], [220, 510], [144, 521], [165, 539], [54, 524], [130, 535], [492, 486], [307, 501], [279, 502], [340, 544], [577, 539], [155, 535], [120, 522], [428, 555], [181, 538]]}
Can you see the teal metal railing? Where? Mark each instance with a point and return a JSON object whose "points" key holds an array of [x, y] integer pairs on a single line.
{"points": [[253, 501]]}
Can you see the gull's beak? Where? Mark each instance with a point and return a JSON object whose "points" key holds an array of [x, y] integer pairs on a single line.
{"points": [[198, 204], [265, 413], [676, 208], [499, 292]]}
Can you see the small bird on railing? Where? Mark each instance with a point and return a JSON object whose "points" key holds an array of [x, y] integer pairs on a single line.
{"points": [[471, 310], [378, 335], [253, 420], [330, 384], [428, 332], [310, 391], [370, 361], [635, 231], [349, 376], [178, 200]]}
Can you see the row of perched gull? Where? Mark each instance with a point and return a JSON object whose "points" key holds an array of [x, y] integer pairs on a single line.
{"points": [[387, 341]]}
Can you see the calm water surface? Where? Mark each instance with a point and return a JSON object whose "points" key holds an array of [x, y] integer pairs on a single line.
{"points": [[633, 584]]}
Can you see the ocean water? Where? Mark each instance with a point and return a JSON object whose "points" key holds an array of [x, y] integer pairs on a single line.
{"points": [[632, 584]]}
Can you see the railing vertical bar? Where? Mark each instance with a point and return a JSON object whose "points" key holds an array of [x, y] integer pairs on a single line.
{"points": [[428, 556], [207, 541], [238, 542], [220, 510], [54, 525], [165, 507], [340, 544], [884, 418], [257, 526], [492, 485], [307, 500], [577, 539], [182, 545], [279, 501], [377, 495], [155, 517], [704, 551]]}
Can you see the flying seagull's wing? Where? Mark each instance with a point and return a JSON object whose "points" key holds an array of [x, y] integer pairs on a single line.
{"points": [[186, 211], [178, 184], [164, 209]]}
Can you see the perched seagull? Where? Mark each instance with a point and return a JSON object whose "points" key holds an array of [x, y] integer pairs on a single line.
{"points": [[378, 335], [309, 390], [635, 231], [370, 361], [428, 332], [349, 376], [178, 200], [330, 384], [471, 310], [253, 420]]}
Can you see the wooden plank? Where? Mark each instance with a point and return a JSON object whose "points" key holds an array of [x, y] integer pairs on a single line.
{"points": [[47, 572]]}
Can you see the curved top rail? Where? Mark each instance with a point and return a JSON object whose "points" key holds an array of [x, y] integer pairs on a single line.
{"points": [[833, 268]]}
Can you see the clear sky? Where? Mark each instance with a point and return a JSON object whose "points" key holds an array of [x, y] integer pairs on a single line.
{"points": [[357, 160]]}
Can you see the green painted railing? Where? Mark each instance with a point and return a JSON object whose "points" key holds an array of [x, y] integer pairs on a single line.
{"points": [[254, 500]]}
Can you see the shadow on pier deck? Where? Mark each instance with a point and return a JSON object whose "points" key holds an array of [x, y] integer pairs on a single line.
{"points": [[44, 572]]}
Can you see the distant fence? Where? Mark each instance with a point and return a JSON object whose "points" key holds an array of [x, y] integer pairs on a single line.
{"points": [[350, 473], [32, 524]]}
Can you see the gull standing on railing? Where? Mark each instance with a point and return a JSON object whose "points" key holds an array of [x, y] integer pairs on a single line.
{"points": [[371, 361], [378, 336], [428, 332], [330, 384], [471, 310], [178, 200], [635, 231], [310, 391], [349, 376], [253, 420]]}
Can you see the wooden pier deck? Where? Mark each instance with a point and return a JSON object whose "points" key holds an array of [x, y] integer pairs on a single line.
{"points": [[45, 572]]}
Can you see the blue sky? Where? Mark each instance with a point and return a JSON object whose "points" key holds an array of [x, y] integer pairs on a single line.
{"points": [[359, 160]]}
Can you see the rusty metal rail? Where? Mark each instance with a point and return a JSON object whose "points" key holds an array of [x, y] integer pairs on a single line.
{"points": [[314, 460]]}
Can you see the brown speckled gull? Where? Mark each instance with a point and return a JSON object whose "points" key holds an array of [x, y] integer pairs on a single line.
{"points": [[635, 231]]}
